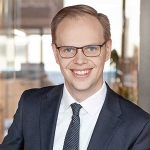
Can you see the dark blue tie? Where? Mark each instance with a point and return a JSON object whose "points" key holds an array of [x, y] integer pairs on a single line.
{"points": [[72, 136]]}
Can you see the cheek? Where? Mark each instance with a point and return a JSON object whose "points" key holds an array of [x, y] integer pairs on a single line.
{"points": [[63, 63], [99, 63]]}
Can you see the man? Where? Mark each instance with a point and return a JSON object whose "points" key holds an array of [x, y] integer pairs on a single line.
{"points": [[81, 42]]}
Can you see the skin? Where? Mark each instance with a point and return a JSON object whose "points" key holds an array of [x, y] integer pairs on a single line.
{"points": [[83, 75]]}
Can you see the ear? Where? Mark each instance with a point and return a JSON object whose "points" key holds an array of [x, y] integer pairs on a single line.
{"points": [[55, 51], [108, 50]]}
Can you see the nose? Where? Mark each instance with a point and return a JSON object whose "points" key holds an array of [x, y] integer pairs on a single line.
{"points": [[80, 58]]}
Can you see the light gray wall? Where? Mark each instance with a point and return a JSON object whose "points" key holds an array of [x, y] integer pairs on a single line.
{"points": [[144, 63]]}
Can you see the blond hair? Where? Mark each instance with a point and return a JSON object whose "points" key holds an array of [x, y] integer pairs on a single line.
{"points": [[80, 10]]}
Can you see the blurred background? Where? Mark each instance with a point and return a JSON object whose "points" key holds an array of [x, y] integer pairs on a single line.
{"points": [[27, 61]]}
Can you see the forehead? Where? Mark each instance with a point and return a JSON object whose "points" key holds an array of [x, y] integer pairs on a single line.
{"points": [[79, 29]]}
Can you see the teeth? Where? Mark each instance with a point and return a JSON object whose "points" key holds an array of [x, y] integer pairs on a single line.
{"points": [[81, 72]]}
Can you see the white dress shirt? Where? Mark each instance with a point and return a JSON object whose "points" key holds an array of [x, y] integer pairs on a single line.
{"points": [[89, 113]]}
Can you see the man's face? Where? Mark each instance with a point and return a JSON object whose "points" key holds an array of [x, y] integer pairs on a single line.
{"points": [[82, 73]]}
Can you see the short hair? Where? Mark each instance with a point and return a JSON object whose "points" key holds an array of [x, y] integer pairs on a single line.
{"points": [[80, 10]]}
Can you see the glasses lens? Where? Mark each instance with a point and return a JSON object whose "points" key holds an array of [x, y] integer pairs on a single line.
{"points": [[91, 50], [67, 52]]}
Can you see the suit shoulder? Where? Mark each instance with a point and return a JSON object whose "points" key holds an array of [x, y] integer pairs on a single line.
{"points": [[132, 110], [43, 89], [38, 93], [125, 107]]}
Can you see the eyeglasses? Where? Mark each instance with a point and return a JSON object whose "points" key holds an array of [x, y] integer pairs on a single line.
{"points": [[88, 50]]}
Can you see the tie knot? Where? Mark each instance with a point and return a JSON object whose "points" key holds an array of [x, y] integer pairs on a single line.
{"points": [[76, 108]]}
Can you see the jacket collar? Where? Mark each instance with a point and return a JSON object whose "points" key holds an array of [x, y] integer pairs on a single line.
{"points": [[48, 116], [105, 128], [107, 123]]}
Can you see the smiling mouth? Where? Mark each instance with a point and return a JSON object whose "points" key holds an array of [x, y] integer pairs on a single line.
{"points": [[81, 72]]}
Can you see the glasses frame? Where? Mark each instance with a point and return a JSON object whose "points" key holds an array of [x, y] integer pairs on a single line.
{"points": [[58, 47]]}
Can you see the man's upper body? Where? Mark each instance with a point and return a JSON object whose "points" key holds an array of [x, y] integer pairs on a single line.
{"points": [[89, 113], [120, 125], [81, 43]]}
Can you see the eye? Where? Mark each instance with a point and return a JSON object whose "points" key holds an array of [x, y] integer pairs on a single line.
{"points": [[68, 49], [91, 48]]}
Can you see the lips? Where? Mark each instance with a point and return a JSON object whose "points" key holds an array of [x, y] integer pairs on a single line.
{"points": [[81, 72]]}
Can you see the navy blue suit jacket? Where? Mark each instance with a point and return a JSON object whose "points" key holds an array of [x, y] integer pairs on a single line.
{"points": [[121, 125]]}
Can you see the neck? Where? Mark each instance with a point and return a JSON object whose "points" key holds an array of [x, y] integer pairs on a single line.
{"points": [[81, 95]]}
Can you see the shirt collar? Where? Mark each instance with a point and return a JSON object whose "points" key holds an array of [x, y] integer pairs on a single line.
{"points": [[67, 99], [91, 104]]}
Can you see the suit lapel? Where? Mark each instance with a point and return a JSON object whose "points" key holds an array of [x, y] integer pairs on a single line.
{"points": [[107, 123], [105, 128], [48, 117]]}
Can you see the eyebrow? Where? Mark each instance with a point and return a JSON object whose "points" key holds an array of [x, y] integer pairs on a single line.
{"points": [[78, 46]]}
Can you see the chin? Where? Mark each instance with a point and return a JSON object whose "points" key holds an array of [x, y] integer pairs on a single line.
{"points": [[82, 87]]}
